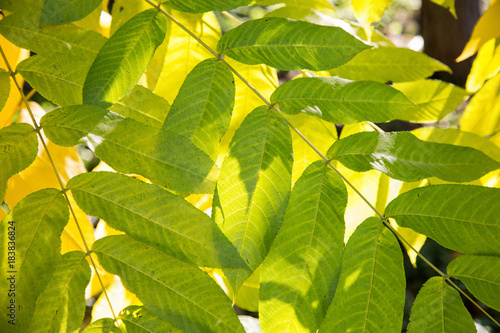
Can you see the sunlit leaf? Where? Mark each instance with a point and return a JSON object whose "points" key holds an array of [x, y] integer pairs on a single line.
{"points": [[61, 306], [448, 4], [370, 294], [34, 229], [341, 101], [304, 262], [202, 109], [463, 218], [119, 299], [123, 58], [482, 114], [105, 325], [403, 156], [138, 319], [160, 219], [201, 6], [287, 44], [65, 11], [168, 287], [480, 276], [253, 187], [4, 87], [434, 99], [369, 11], [438, 308], [18, 149], [485, 66]]}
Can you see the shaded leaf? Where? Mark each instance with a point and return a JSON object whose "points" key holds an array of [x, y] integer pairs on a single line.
{"points": [[65, 11], [287, 44], [385, 64], [448, 4], [202, 109], [61, 306], [34, 229], [370, 294], [253, 187], [123, 58], [439, 308], [480, 276], [144, 106], [159, 219], [201, 6], [137, 319], [18, 149], [341, 101], [165, 158], [4, 87], [463, 218], [434, 99], [402, 156], [301, 271], [168, 287]]}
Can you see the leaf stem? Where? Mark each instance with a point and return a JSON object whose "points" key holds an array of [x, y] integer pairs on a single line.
{"points": [[58, 176], [382, 217]]}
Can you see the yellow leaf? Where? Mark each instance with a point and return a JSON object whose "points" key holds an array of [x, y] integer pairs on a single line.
{"points": [[486, 28], [368, 12], [448, 4], [485, 66]]}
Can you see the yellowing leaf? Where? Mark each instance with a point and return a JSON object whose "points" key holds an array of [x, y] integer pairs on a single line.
{"points": [[448, 4], [487, 27], [369, 11], [485, 66]]}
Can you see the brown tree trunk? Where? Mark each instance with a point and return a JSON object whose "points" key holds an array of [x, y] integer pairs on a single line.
{"points": [[445, 37]]}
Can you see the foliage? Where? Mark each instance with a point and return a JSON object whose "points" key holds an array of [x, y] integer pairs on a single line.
{"points": [[213, 178]]}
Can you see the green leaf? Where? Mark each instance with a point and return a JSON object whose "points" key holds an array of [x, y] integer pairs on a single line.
{"points": [[341, 101], [463, 218], [175, 291], [253, 187], [34, 229], [123, 58], [402, 156], [438, 308], [301, 271], [385, 64], [480, 276], [434, 99], [144, 106], [202, 109], [61, 306], [4, 87], [138, 319], [64, 11], [128, 146], [104, 325], [58, 77], [18, 149], [370, 295], [287, 44], [202, 6], [160, 219]]}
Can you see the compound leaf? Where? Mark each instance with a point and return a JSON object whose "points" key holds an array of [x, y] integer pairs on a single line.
{"points": [[202, 6], [65, 11], [138, 319]]}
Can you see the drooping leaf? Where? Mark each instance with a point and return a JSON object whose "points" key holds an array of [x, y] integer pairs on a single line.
{"points": [[64, 11], [368, 12], [165, 158], [482, 114], [438, 308], [168, 287], [370, 294], [160, 219], [341, 101], [18, 149], [202, 6], [253, 187], [104, 325], [286, 44], [123, 58], [301, 271], [144, 106], [471, 226], [402, 156], [34, 229], [485, 66], [480, 276], [486, 28], [434, 99], [4, 87], [448, 4], [61, 306], [385, 64], [138, 319], [202, 109]]}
